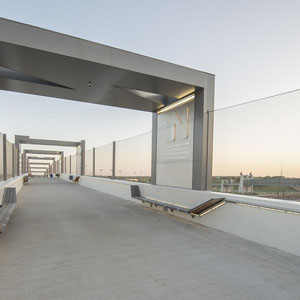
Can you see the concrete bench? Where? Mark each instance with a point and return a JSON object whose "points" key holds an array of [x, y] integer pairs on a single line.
{"points": [[197, 210], [9, 203]]}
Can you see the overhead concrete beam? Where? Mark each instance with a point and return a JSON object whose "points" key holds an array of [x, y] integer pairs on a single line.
{"points": [[24, 139], [41, 158], [38, 163], [50, 152], [43, 62]]}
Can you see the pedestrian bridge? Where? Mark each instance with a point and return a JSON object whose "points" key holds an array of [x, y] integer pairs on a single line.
{"points": [[102, 238], [67, 241]]}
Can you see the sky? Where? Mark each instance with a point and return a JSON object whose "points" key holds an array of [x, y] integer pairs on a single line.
{"points": [[251, 46]]}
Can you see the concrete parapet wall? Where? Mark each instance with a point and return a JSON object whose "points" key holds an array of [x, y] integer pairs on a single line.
{"points": [[16, 182], [117, 188], [273, 228]]}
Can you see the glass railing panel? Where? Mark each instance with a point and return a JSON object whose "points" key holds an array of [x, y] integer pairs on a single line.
{"points": [[89, 162], [103, 160], [259, 140], [133, 158]]}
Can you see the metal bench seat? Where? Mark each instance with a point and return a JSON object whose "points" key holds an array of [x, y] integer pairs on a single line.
{"points": [[9, 203], [197, 210]]}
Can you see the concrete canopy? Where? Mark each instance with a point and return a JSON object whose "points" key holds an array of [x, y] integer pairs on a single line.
{"points": [[42, 62]]}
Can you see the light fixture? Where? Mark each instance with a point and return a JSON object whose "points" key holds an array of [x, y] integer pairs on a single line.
{"points": [[176, 104], [211, 209], [270, 208]]}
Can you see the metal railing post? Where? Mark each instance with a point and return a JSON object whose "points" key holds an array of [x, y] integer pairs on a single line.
{"points": [[114, 160], [82, 168], [23, 162], [4, 158], [94, 161], [62, 163], [13, 160]]}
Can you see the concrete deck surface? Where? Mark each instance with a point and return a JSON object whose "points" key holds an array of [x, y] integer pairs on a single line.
{"points": [[65, 241]]}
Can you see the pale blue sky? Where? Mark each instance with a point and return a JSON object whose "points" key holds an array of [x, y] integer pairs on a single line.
{"points": [[252, 46]]}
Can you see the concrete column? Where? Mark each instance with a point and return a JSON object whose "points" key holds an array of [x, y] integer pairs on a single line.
{"points": [[82, 157], [4, 158], [70, 164], [114, 160], [94, 161], [154, 148], [203, 138]]}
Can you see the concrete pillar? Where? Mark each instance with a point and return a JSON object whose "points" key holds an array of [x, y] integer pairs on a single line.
{"points": [[94, 161], [82, 157], [114, 160], [4, 158], [203, 138], [154, 148], [183, 141]]}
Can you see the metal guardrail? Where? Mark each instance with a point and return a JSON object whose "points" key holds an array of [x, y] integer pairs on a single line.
{"points": [[273, 181]]}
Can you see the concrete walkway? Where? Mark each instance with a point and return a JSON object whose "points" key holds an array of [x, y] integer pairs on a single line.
{"points": [[65, 241]]}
